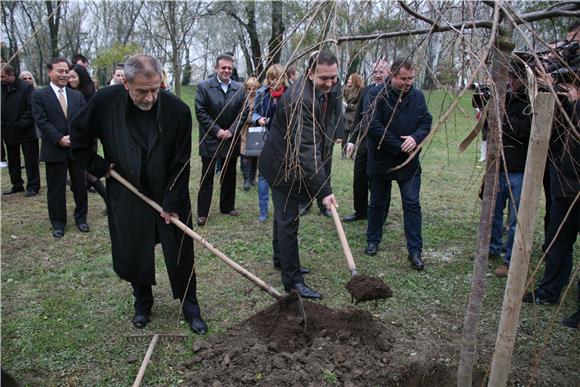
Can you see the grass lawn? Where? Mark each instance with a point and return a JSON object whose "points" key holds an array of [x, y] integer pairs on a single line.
{"points": [[65, 314]]}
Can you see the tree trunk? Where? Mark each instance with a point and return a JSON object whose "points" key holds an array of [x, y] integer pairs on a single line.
{"points": [[8, 9], [502, 51], [522, 249], [254, 39], [53, 26], [275, 43]]}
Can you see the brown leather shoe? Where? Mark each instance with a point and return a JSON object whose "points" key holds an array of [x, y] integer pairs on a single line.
{"points": [[501, 271], [233, 213], [201, 220]]}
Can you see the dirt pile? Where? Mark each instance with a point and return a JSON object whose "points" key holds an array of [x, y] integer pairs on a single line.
{"points": [[274, 348], [364, 288]]}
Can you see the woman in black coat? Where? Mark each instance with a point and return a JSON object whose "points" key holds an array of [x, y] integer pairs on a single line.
{"points": [[80, 80]]}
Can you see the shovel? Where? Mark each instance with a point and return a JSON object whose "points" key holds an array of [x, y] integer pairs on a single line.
{"points": [[361, 287], [250, 276]]}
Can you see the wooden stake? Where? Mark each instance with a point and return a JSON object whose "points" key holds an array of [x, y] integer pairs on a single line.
{"points": [[522, 248]]}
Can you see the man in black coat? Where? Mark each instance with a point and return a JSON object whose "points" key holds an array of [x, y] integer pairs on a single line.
{"points": [[53, 108], [515, 137], [400, 122], [358, 141], [292, 162], [146, 136], [219, 108], [18, 131]]}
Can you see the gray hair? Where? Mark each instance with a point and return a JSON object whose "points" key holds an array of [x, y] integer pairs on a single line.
{"points": [[142, 64]]}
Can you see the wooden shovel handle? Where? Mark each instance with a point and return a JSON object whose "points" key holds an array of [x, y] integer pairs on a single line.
{"points": [[257, 281], [343, 241], [145, 361]]}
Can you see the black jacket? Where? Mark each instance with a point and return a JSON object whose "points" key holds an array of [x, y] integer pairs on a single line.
{"points": [[292, 157], [216, 110], [17, 120], [392, 119], [564, 153], [134, 226], [516, 128], [51, 121]]}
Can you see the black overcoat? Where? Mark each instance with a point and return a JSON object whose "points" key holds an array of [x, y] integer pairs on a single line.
{"points": [[292, 160], [16, 107], [134, 226]]}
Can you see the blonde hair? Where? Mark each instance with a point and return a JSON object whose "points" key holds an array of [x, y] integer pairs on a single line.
{"points": [[357, 81], [276, 72], [251, 83]]}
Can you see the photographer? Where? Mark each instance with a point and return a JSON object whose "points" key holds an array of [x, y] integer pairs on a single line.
{"points": [[515, 137]]}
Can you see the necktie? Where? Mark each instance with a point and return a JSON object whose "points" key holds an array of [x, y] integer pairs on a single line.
{"points": [[62, 101]]}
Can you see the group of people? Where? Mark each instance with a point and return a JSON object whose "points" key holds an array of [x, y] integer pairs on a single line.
{"points": [[145, 134]]}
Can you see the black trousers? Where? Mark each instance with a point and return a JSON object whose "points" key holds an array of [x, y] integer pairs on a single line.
{"points": [[30, 150], [227, 188], [56, 192], [328, 171], [360, 184], [285, 237], [559, 259], [144, 299]]}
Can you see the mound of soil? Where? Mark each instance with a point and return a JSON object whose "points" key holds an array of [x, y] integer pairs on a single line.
{"points": [[364, 288], [275, 347]]}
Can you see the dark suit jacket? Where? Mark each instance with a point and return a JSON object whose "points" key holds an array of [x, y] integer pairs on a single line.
{"points": [[216, 110], [51, 121]]}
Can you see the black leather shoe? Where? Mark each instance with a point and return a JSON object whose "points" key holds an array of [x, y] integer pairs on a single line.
{"points": [[326, 213], [14, 190], [58, 233], [197, 325], [372, 248], [83, 227], [538, 297], [304, 291], [247, 184], [353, 218], [303, 270], [140, 320], [29, 194], [572, 321], [416, 261]]}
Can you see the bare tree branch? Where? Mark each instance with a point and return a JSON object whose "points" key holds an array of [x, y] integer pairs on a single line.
{"points": [[417, 15]]}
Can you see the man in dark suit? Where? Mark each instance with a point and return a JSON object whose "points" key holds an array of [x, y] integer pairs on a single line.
{"points": [[53, 108], [18, 132], [400, 121], [219, 105], [292, 162]]}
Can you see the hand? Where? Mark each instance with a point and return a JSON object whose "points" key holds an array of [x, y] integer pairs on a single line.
{"points": [[349, 149], [262, 121], [571, 91], [329, 201], [64, 142], [168, 215], [408, 144], [478, 115], [221, 134]]}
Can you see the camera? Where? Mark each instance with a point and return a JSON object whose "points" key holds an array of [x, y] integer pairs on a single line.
{"points": [[481, 95]]}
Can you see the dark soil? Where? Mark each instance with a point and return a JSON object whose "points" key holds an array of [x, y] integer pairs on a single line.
{"points": [[364, 288], [275, 347]]}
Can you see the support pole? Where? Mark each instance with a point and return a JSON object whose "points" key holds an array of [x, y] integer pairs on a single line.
{"points": [[528, 209]]}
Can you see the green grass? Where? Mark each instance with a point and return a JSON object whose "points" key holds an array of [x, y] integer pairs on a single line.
{"points": [[65, 314]]}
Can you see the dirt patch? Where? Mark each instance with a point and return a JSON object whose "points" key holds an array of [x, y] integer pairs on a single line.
{"points": [[364, 288], [274, 347]]}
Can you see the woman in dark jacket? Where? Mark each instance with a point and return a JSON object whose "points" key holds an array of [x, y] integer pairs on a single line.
{"points": [[265, 107], [80, 80], [351, 97]]}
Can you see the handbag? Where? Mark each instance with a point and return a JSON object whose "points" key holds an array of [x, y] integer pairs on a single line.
{"points": [[255, 140]]}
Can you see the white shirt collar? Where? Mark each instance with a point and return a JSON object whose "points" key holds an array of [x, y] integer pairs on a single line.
{"points": [[56, 89]]}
